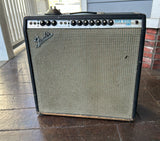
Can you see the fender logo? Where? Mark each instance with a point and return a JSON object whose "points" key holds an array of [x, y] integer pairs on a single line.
{"points": [[45, 37]]}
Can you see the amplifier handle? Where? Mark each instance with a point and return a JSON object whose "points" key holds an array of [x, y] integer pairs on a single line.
{"points": [[83, 13]]}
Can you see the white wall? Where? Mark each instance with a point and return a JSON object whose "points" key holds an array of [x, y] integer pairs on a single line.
{"points": [[3, 51], [42, 6], [109, 6], [84, 5], [154, 20], [155, 9], [6, 49], [149, 7]]}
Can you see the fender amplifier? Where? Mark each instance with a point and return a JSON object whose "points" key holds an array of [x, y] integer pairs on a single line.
{"points": [[86, 65]]}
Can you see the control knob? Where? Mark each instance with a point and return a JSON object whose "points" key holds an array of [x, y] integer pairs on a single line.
{"points": [[54, 23], [85, 22], [91, 22], [48, 23], [98, 22], [73, 22], [104, 22], [42, 23], [79, 22], [110, 22]]}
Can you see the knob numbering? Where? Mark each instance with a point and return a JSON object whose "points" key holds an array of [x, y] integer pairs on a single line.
{"points": [[73, 23], [91, 22], [42, 23], [54, 23]]}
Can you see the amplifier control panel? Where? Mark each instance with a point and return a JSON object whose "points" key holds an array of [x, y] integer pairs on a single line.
{"points": [[90, 23]]}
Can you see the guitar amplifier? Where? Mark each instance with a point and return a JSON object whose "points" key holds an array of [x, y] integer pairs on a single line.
{"points": [[86, 65]]}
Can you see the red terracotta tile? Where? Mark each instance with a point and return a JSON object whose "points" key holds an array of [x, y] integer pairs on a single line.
{"points": [[150, 37], [145, 65], [158, 44], [156, 62], [148, 49], [149, 131], [149, 43], [79, 133], [157, 56], [151, 30], [145, 54], [158, 50], [22, 135], [147, 60]]}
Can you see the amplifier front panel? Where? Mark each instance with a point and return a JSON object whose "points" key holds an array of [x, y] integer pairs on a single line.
{"points": [[86, 71]]}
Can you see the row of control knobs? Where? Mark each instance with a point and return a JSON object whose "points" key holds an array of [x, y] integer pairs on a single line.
{"points": [[92, 22], [48, 23], [80, 22]]}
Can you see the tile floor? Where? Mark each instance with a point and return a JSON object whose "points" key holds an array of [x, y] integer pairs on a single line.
{"points": [[19, 121]]}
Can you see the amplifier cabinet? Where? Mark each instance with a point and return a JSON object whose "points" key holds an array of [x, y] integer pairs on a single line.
{"points": [[86, 65]]}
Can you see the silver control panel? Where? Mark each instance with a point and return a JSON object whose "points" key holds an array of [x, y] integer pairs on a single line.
{"points": [[90, 23]]}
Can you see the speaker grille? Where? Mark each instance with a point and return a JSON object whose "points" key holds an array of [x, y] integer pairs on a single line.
{"points": [[86, 71]]}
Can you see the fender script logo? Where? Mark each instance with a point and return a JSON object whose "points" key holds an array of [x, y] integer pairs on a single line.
{"points": [[45, 37]]}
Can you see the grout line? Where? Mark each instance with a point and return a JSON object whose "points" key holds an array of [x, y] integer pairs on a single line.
{"points": [[76, 126], [6, 130], [59, 127], [13, 82], [146, 63], [17, 94], [118, 133], [149, 40], [154, 49], [16, 109]]}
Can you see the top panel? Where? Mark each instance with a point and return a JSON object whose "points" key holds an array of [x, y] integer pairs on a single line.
{"points": [[87, 23], [113, 20]]}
